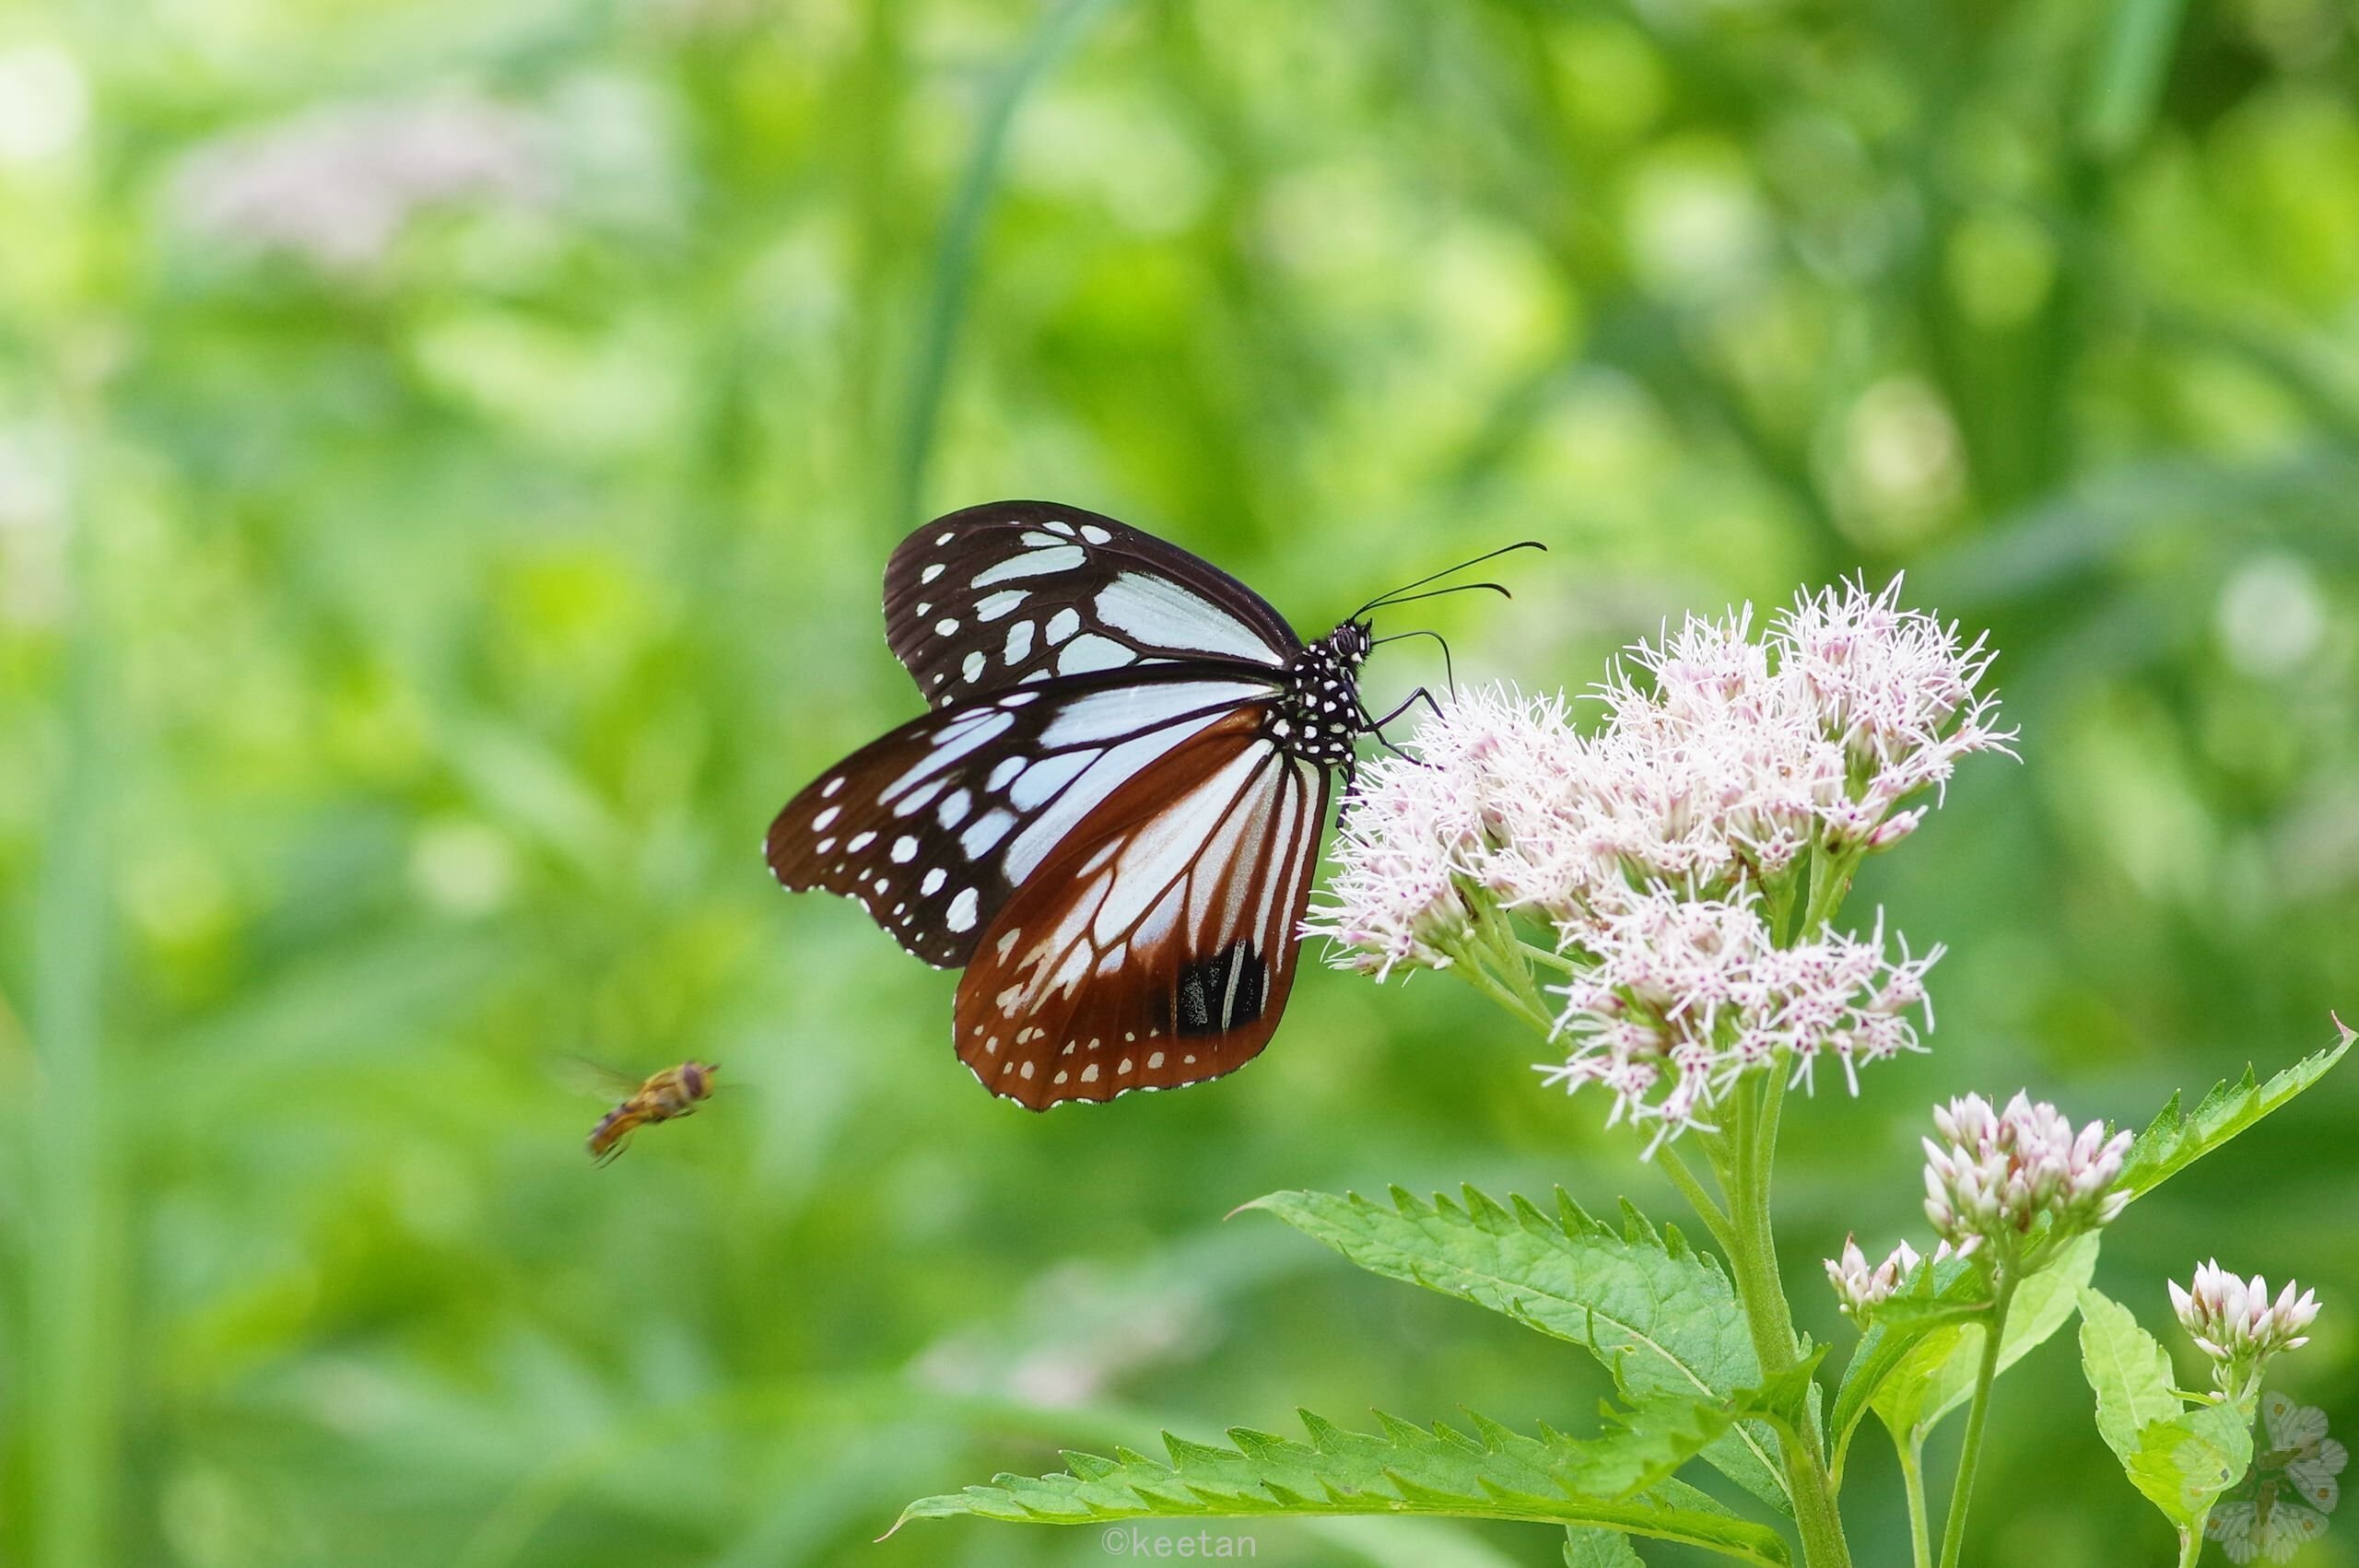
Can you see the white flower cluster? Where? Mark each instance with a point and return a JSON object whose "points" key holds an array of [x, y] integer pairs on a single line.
{"points": [[1997, 1172], [1652, 845], [1686, 995], [2235, 1322], [1859, 1289]]}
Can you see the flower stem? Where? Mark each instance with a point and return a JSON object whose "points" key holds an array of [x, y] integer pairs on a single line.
{"points": [[1970, 1457], [1715, 1218], [2190, 1545], [1753, 1259], [1912, 1480]]}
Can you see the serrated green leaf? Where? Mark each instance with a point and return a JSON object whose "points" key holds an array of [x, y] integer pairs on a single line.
{"points": [[1935, 1374], [2175, 1140], [2180, 1459], [1621, 1480], [1600, 1549], [1660, 1315]]}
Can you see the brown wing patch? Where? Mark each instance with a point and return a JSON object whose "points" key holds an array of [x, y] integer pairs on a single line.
{"points": [[1156, 946]]}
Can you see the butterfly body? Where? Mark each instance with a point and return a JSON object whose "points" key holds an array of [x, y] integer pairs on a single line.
{"points": [[1111, 814]]}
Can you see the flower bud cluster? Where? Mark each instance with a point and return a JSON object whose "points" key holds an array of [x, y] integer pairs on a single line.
{"points": [[1859, 1289], [2238, 1325], [1996, 1173]]}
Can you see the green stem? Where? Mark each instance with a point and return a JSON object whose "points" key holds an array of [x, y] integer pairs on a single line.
{"points": [[1753, 1259], [1912, 1480], [2190, 1545], [1970, 1457], [1555, 959], [1715, 1218]]}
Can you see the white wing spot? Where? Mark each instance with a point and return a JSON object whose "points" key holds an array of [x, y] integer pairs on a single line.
{"points": [[1008, 769], [1054, 526], [1019, 643], [822, 846], [1154, 1062], [904, 849], [983, 832], [1063, 625], [1033, 563], [930, 572], [953, 808], [1095, 534], [1125, 1067], [831, 785], [1061, 1076], [1024, 1070], [998, 604], [1090, 651], [945, 538], [819, 823], [1007, 941], [961, 914], [972, 668], [934, 881], [944, 626], [1090, 1074], [861, 841]]}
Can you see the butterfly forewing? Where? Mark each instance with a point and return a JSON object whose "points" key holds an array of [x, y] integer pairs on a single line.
{"points": [[1155, 945], [1013, 593], [931, 828]]}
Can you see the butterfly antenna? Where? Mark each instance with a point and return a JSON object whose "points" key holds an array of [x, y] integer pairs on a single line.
{"points": [[1449, 676], [1395, 596], [1396, 600]]}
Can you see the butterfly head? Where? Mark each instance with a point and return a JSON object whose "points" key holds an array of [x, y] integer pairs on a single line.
{"points": [[1349, 643]]}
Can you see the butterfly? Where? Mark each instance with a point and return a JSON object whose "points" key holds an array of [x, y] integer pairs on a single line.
{"points": [[1111, 817], [2290, 1490]]}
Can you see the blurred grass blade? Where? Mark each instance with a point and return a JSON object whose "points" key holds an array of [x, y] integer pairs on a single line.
{"points": [[2134, 58], [955, 263], [74, 1273]]}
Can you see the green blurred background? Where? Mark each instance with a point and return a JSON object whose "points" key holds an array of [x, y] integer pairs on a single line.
{"points": [[447, 455]]}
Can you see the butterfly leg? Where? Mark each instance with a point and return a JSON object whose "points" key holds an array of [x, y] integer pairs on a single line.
{"points": [[1375, 726]]}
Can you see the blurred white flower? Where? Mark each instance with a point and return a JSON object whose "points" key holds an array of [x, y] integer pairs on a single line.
{"points": [[1997, 1172], [2238, 1325], [337, 185]]}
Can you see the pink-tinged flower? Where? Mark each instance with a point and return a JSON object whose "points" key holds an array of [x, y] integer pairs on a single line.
{"points": [[1726, 754], [2238, 1325], [1683, 996], [1997, 1172], [1897, 686], [1398, 899]]}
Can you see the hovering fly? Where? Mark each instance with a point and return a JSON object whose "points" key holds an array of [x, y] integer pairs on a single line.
{"points": [[667, 1096]]}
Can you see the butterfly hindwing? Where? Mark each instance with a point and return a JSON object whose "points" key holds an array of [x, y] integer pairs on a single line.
{"points": [[1155, 945], [931, 828], [1013, 593]]}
